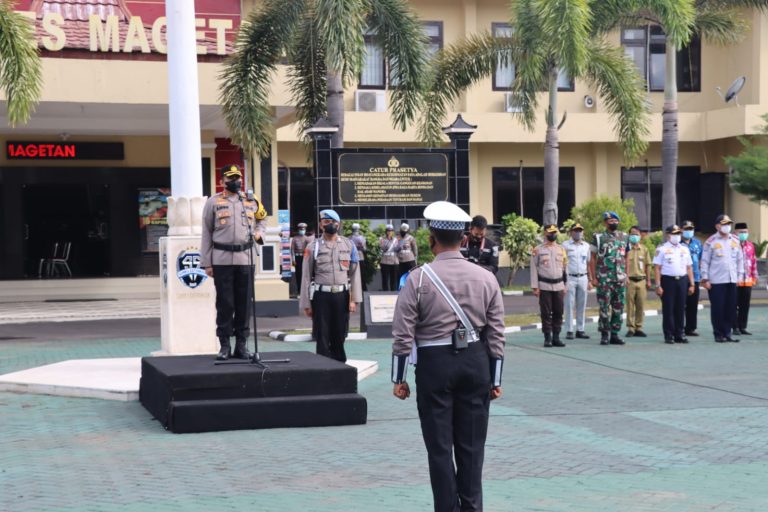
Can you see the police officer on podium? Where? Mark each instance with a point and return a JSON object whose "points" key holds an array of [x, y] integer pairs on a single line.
{"points": [[674, 282], [330, 287], [450, 318], [228, 218]]}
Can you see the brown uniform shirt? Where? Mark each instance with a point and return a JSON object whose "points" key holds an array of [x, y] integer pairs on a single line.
{"points": [[298, 244], [638, 261], [388, 255], [224, 221], [430, 317], [548, 261], [406, 249], [334, 265]]}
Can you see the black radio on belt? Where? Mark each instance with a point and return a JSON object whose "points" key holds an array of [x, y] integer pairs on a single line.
{"points": [[460, 338]]}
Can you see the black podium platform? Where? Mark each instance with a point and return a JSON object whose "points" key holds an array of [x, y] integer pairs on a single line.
{"points": [[192, 394]]}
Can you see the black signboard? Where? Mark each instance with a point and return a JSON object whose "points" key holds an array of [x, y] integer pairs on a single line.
{"points": [[33, 150], [392, 178]]}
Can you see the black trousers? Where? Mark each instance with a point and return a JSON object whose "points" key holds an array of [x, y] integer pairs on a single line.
{"points": [[722, 299], [551, 307], [234, 289], [388, 278], [363, 266], [743, 298], [330, 323], [298, 273], [404, 267], [453, 397], [673, 306], [692, 310]]}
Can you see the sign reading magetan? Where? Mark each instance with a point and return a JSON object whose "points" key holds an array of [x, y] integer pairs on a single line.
{"points": [[403, 179]]}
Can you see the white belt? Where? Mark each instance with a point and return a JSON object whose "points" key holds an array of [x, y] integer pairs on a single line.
{"points": [[439, 342], [333, 288]]}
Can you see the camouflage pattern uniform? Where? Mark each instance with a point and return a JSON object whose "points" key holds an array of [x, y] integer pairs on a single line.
{"points": [[610, 249]]}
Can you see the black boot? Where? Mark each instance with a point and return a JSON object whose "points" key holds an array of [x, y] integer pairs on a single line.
{"points": [[556, 340], [225, 348], [615, 340], [547, 339], [604, 337], [241, 349]]}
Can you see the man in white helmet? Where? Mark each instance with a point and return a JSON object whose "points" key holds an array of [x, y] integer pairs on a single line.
{"points": [[450, 315], [407, 252], [388, 264]]}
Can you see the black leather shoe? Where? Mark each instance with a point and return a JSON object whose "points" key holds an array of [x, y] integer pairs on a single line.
{"points": [[223, 354], [630, 334], [745, 333], [582, 335], [241, 350], [735, 331], [556, 340], [569, 335], [691, 333], [640, 334], [728, 338], [669, 341], [682, 339], [615, 340], [719, 339]]}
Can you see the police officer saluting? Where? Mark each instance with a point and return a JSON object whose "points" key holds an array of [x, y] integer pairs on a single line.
{"points": [[450, 314], [674, 282], [548, 278], [479, 249], [298, 243], [722, 263], [330, 287], [228, 218]]}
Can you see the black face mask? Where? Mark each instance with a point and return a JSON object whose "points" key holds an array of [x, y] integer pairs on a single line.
{"points": [[477, 238], [403, 233], [331, 229], [552, 237], [613, 227], [233, 186]]}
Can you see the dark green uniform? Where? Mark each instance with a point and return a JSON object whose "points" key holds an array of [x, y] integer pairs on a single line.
{"points": [[610, 249]]}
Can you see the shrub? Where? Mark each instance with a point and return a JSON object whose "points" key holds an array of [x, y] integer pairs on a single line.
{"points": [[590, 214], [373, 252], [519, 239]]}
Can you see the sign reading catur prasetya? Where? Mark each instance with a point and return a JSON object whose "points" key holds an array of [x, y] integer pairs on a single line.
{"points": [[402, 179]]}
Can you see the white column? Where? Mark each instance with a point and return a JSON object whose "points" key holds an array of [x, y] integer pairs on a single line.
{"points": [[183, 100]]}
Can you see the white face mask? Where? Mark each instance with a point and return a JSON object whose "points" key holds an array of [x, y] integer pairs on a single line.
{"points": [[725, 229], [675, 239], [577, 235]]}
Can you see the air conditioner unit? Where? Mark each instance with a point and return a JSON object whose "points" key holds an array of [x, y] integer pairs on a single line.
{"points": [[370, 101], [512, 102]]}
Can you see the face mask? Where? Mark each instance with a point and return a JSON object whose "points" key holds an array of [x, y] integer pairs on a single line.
{"points": [[688, 234], [635, 239], [331, 228], [675, 239], [302, 231], [477, 238], [577, 235], [725, 229], [743, 236], [613, 227], [551, 237], [233, 186], [403, 233]]}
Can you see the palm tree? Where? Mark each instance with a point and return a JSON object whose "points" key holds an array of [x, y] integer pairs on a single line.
{"points": [[20, 66], [323, 44], [548, 37], [718, 22]]}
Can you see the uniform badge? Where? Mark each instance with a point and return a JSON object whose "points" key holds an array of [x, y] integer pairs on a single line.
{"points": [[188, 268]]}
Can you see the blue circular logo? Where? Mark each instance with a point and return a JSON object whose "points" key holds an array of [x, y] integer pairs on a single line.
{"points": [[188, 268]]}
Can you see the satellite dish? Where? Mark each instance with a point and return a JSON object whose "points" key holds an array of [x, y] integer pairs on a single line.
{"points": [[733, 90]]}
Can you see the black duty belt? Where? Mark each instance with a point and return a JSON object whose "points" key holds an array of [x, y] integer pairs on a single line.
{"points": [[233, 247], [676, 278], [637, 279], [577, 275], [550, 281]]}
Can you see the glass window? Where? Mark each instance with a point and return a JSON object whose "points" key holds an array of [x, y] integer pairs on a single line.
{"points": [[434, 32], [372, 75], [521, 191], [564, 82], [505, 73], [646, 47], [644, 185]]}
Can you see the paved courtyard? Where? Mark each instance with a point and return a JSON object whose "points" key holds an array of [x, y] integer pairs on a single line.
{"points": [[645, 427]]}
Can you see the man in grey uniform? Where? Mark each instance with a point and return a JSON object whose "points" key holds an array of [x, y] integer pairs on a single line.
{"points": [[407, 252], [298, 243], [458, 365], [330, 287], [228, 218]]}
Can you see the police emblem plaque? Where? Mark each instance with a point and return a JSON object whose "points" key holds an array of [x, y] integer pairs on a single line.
{"points": [[188, 268]]}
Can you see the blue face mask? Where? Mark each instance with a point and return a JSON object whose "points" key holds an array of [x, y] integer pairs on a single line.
{"points": [[743, 236], [634, 239], [688, 234]]}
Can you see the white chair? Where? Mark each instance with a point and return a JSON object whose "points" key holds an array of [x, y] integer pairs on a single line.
{"points": [[48, 262], [63, 260]]}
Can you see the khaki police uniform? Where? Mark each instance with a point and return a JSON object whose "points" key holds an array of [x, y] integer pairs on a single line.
{"points": [[453, 384], [673, 264], [330, 281], [298, 244], [389, 263], [638, 268], [548, 264], [362, 247], [407, 253], [227, 220]]}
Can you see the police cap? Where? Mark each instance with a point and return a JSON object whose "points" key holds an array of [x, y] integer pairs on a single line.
{"points": [[673, 229], [551, 228], [330, 214], [446, 216], [577, 227], [229, 171], [611, 215], [687, 224], [723, 219]]}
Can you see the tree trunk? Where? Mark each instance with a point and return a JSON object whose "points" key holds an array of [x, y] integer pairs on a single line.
{"points": [[669, 141], [551, 154], [335, 106]]}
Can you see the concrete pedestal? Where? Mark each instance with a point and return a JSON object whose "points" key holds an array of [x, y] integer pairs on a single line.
{"points": [[187, 299]]}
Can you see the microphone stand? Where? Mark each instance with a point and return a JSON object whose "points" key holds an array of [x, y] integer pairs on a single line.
{"points": [[255, 359]]}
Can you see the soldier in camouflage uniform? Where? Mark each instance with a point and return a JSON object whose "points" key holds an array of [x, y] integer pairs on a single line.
{"points": [[608, 273]]}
